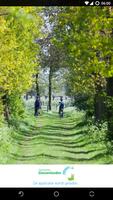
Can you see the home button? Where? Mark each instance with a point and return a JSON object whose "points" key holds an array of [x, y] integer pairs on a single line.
{"points": [[56, 194], [91, 194]]}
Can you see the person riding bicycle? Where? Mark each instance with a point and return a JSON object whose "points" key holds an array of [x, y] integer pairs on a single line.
{"points": [[61, 108]]}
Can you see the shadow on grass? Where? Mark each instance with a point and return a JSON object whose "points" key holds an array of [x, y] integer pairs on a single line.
{"points": [[30, 157], [54, 143], [49, 142], [82, 152], [47, 156], [81, 133], [66, 127], [32, 134]]}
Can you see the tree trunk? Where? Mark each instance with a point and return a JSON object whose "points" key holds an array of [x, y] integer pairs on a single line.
{"points": [[37, 86], [50, 88], [110, 106], [99, 105], [6, 107]]}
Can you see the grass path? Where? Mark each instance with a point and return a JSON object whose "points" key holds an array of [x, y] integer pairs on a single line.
{"points": [[51, 140]]}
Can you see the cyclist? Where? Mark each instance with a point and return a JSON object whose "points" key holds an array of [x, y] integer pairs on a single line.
{"points": [[61, 108]]}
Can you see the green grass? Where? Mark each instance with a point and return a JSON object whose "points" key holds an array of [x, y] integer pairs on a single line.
{"points": [[48, 139], [6, 143]]}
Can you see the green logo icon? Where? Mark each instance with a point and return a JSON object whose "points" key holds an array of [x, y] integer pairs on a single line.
{"points": [[67, 172], [71, 178]]}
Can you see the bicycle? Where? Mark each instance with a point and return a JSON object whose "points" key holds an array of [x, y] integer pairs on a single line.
{"points": [[61, 113]]}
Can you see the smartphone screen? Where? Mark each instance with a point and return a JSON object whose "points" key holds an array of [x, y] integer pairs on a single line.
{"points": [[56, 100]]}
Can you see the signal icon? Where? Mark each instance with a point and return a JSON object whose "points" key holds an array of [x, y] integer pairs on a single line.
{"points": [[91, 4], [86, 2]]}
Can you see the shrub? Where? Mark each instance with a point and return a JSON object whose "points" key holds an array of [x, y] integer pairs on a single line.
{"points": [[5, 143], [98, 132], [16, 105]]}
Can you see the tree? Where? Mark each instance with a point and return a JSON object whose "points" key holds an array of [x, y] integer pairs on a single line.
{"points": [[51, 57], [18, 52], [87, 41]]}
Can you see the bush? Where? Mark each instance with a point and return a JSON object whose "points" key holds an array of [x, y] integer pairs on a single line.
{"points": [[110, 147], [16, 105], [98, 132], [84, 102], [6, 146], [80, 101]]}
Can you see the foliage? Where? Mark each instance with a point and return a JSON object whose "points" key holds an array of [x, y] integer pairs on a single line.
{"points": [[6, 146], [81, 101], [16, 105], [18, 50], [98, 132], [109, 145], [19, 27], [88, 45]]}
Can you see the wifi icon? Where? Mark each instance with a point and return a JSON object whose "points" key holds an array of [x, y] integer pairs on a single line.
{"points": [[86, 2]]}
